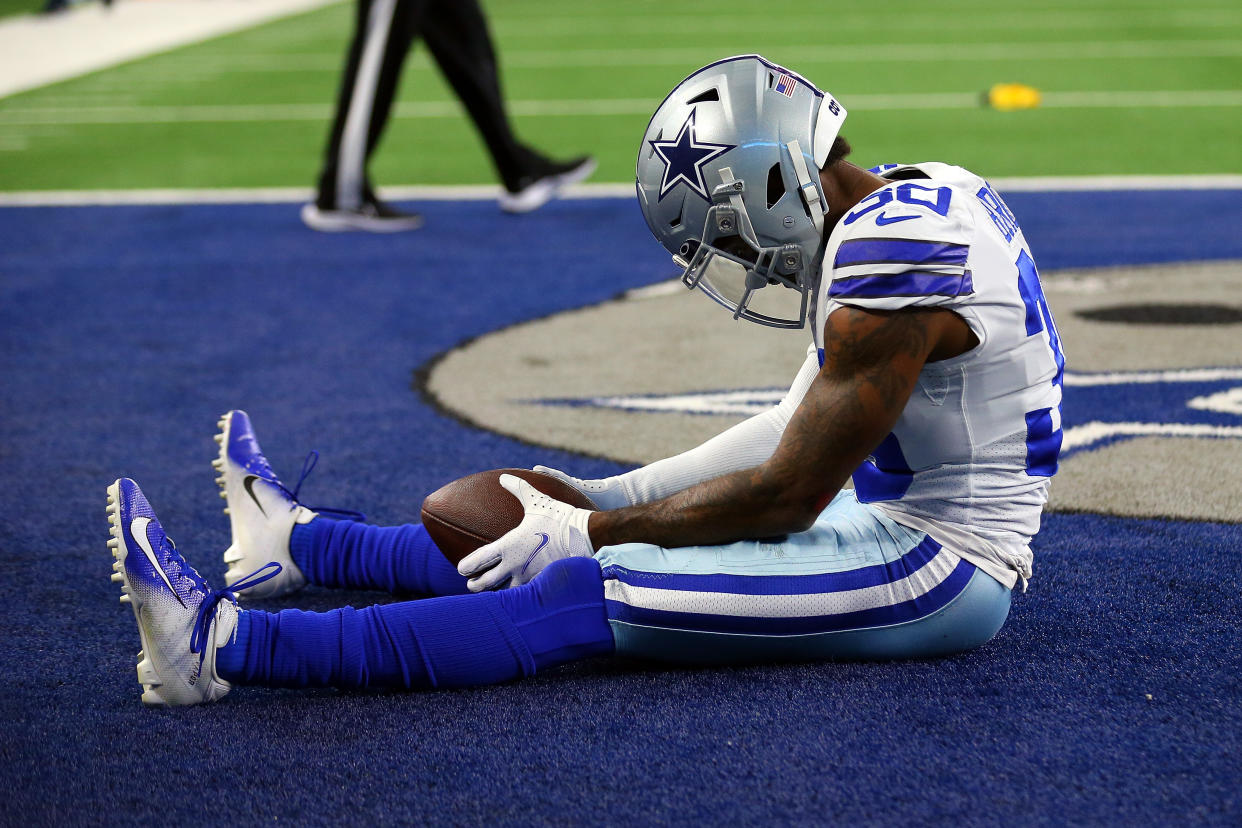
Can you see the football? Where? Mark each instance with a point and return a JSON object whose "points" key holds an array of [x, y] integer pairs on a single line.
{"points": [[476, 510]]}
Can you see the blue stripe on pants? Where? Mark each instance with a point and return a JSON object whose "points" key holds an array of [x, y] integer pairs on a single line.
{"points": [[883, 616], [869, 576], [969, 620], [855, 585]]}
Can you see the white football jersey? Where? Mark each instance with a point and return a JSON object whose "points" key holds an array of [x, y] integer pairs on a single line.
{"points": [[970, 458]]}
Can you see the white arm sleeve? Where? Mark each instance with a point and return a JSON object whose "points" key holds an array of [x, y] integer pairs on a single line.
{"points": [[743, 446]]}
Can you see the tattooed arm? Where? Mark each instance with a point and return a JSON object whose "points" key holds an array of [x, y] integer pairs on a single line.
{"points": [[872, 360]]}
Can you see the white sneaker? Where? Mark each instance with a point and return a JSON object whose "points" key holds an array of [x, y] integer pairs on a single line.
{"points": [[262, 512], [371, 217], [536, 191], [181, 621]]}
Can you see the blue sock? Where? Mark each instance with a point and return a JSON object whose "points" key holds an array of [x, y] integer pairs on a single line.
{"points": [[454, 641], [351, 555]]}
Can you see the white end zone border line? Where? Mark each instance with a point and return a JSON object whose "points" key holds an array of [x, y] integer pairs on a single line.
{"points": [[487, 192]]}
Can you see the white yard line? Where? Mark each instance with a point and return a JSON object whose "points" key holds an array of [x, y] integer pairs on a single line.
{"points": [[36, 50], [513, 57], [39, 49], [1002, 18], [236, 113], [486, 192], [887, 53]]}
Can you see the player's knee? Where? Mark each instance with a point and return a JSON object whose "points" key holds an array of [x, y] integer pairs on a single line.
{"points": [[560, 614], [977, 615], [570, 581]]}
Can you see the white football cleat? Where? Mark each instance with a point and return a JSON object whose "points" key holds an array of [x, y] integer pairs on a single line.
{"points": [[262, 512], [181, 620]]}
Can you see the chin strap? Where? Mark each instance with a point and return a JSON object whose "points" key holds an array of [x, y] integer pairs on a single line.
{"points": [[808, 186]]}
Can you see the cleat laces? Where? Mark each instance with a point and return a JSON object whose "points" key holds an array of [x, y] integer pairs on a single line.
{"points": [[308, 466], [207, 610]]}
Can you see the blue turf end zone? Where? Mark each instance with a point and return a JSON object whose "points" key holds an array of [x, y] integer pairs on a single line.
{"points": [[1110, 697]]}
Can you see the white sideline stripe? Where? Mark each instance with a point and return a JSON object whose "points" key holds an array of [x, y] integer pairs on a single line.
{"points": [[1086, 183], [281, 195], [486, 192], [916, 584], [36, 50], [238, 113]]}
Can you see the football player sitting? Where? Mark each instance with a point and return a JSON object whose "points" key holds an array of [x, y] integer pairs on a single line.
{"points": [[932, 379]]}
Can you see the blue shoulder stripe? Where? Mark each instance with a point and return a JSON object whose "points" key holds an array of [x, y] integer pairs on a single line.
{"points": [[900, 251], [910, 283]]}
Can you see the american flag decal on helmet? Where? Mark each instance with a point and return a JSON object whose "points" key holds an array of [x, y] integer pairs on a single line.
{"points": [[786, 85]]}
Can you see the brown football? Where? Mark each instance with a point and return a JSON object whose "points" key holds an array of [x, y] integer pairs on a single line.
{"points": [[475, 510]]}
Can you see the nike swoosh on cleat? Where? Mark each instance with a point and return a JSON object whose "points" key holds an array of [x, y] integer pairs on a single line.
{"points": [[538, 549], [249, 484], [882, 219], [138, 528]]}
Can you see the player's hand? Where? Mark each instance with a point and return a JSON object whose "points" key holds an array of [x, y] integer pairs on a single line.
{"points": [[607, 493], [551, 530]]}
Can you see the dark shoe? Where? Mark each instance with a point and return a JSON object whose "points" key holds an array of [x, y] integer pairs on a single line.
{"points": [[538, 188], [371, 217]]}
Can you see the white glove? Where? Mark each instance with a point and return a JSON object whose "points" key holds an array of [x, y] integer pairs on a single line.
{"points": [[551, 530], [608, 493]]}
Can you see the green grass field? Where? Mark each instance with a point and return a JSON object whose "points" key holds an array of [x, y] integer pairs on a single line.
{"points": [[1131, 87], [9, 8]]}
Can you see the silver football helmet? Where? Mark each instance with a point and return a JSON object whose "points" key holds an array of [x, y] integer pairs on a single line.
{"points": [[728, 180]]}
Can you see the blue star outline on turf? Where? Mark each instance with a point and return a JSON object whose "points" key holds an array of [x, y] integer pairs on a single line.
{"points": [[1099, 408], [684, 158]]}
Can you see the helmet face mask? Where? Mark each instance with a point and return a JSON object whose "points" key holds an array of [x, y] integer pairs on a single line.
{"points": [[733, 196], [730, 266]]}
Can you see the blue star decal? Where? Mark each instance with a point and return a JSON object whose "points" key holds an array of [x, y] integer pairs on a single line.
{"points": [[684, 158], [1099, 408]]}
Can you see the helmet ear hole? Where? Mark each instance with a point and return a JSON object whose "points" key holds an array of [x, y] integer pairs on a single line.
{"points": [[776, 185], [676, 221]]}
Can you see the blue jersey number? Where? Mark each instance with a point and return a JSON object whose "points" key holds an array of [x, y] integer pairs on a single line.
{"points": [[935, 198], [1038, 317], [1043, 431]]}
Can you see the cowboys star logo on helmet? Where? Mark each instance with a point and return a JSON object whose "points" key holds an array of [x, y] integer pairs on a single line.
{"points": [[684, 158]]}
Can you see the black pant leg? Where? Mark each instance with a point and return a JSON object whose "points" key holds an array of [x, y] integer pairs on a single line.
{"points": [[383, 33], [457, 36]]}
